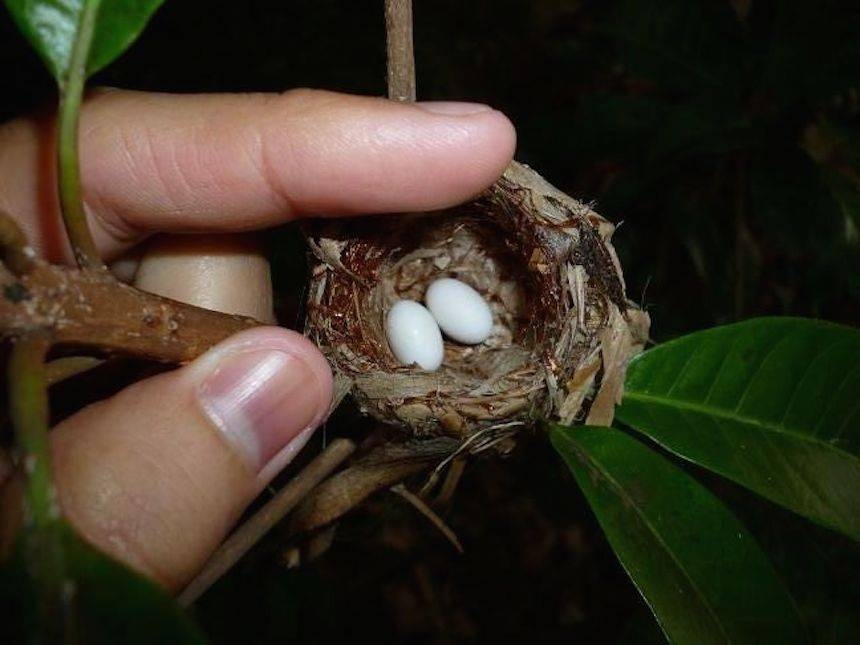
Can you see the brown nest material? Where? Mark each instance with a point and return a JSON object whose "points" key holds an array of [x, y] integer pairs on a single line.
{"points": [[563, 327]]}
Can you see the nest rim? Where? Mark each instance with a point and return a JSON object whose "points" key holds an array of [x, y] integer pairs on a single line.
{"points": [[545, 264]]}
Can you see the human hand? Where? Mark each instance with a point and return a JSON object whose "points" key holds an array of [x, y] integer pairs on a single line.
{"points": [[157, 474]]}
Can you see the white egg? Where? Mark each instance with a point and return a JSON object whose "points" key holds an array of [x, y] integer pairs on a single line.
{"points": [[414, 336], [460, 310]]}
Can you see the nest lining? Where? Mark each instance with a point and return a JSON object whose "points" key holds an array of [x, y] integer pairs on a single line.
{"points": [[563, 329]]}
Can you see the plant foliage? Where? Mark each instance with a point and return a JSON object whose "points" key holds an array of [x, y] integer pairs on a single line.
{"points": [[52, 27], [703, 575], [104, 602], [770, 403]]}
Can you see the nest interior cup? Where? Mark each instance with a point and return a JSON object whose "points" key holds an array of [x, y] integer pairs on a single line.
{"points": [[563, 330]]}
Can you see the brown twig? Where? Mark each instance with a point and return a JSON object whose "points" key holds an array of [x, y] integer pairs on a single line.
{"points": [[91, 309], [452, 479], [263, 520], [381, 468], [429, 513], [401, 56]]}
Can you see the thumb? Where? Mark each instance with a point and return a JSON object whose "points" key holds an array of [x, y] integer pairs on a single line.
{"points": [[159, 473]]}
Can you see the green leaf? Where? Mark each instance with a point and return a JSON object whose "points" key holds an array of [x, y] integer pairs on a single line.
{"points": [[704, 577], [770, 403], [106, 601], [52, 27], [817, 565]]}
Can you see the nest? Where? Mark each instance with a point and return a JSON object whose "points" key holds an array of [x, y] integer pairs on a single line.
{"points": [[563, 328]]}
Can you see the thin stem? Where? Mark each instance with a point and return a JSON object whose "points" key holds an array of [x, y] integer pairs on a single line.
{"points": [[68, 159], [42, 535], [28, 410], [430, 514], [247, 535], [401, 55], [382, 467]]}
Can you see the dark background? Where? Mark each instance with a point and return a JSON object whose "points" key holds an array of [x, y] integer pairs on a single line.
{"points": [[725, 136]]}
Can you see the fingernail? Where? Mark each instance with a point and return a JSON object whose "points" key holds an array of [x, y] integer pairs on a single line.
{"points": [[454, 108], [261, 400]]}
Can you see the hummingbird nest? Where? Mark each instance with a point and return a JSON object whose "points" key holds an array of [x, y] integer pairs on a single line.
{"points": [[563, 329]]}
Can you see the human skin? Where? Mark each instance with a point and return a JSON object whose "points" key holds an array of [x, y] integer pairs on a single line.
{"points": [[159, 473]]}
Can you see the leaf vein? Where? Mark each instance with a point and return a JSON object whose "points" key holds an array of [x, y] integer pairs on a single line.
{"points": [[622, 493], [734, 416]]}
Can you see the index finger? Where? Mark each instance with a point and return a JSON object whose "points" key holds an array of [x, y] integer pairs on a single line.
{"points": [[236, 162]]}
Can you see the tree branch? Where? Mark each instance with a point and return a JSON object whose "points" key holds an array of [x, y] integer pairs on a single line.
{"points": [[90, 309]]}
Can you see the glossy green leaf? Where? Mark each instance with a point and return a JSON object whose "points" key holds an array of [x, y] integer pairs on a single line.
{"points": [[106, 602], [771, 403], [704, 577], [52, 28]]}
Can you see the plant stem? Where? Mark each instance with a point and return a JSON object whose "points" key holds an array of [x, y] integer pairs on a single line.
{"points": [[93, 311], [68, 159], [42, 535], [401, 56], [28, 408]]}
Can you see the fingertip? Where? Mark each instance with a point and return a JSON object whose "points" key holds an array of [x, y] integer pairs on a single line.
{"points": [[388, 156], [494, 141], [269, 338], [460, 150], [158, 473], [193, 163]]}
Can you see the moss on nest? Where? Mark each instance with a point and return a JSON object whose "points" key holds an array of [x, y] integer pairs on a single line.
{"points": [[563, 329]]}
